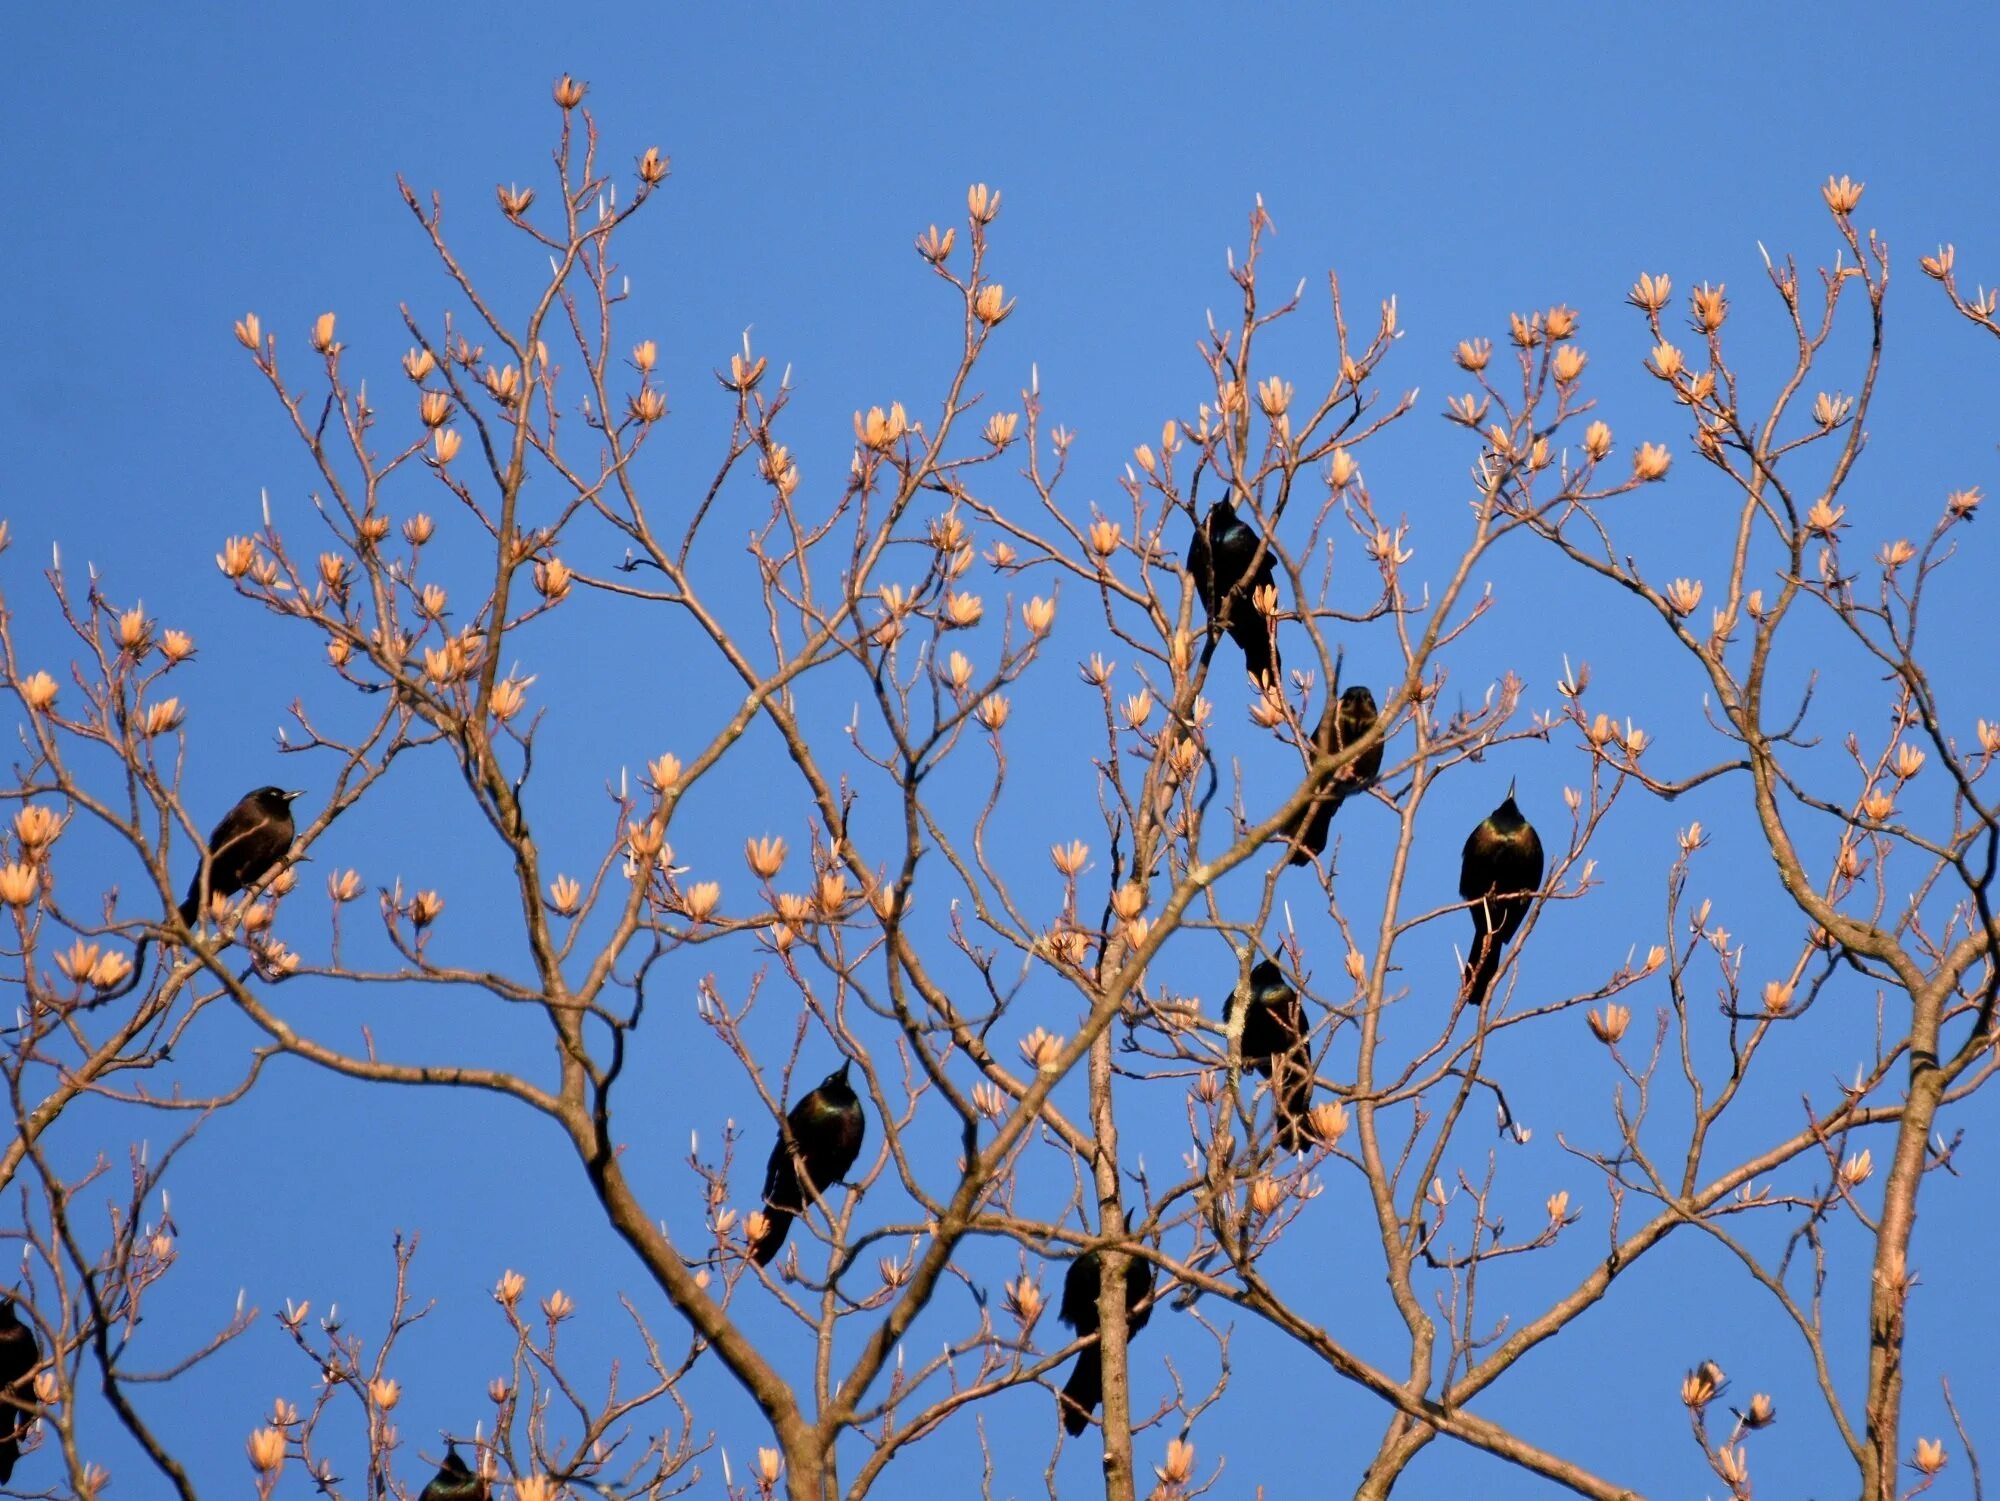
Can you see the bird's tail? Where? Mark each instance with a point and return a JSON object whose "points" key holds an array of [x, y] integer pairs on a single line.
{"points": [[1311, 832], [1486, 951], [1259, 641], [1293, 1090], [191, 906], [1082, 1392], [777, 1225]]}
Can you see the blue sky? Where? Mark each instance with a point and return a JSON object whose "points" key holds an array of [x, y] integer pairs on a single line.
{"points": [[173, 168]]}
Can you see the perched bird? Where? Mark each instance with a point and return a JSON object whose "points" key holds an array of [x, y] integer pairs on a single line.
{"points": [[252, 837], [825, 1131], [1343, 723], [1501, 872], [19, 1355], [455, 1480], [1220, 558], [1085, 1387], [1274, 1036]]}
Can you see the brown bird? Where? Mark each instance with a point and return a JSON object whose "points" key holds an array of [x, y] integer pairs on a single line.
{"points": [[822, 1134], [1342, 725], [455, 1480], [1274, 1035], [19, 1355], [252, 837], [1084, 1390], [1499, 875], [1220, 558]]}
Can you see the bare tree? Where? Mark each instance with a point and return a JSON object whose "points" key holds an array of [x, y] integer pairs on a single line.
{"points": [[892, 913]]}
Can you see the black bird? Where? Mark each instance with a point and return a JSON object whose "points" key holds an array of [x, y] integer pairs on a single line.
{"points": [[825, 1130], [252, 837], [1274, 1034], [1501, 872], [454, 1480], [1220, 558], [1343, 723], [19, 1355], [1085, 1387]]}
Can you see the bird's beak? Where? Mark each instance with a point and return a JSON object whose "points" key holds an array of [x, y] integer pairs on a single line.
{"points": [[845, 1065], [292, 797], [1511, 783]]}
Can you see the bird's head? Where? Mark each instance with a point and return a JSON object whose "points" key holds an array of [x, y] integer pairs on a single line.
{"points": [[1359, 700], [836, 1082], [276, 799]]}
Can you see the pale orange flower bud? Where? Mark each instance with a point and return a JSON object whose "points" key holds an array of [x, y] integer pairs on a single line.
{"points": [[645, 840], [992, 710], [1525, 332], [982, 203], [38, 690], [1105, 537], [765, 856], [1682, 595], [935, 246], [1180, 1462], [434, 407], [266, 1449], [250, 332], [419, 363], [1041, 1048], [1558, 1207], [18, 884], [1878, 805], [1328, 1122], [371, 530], [1666, 361], [1560, 321], [1000, 428], [1609, 1025], [879, 430], [162, 717], [514, 200], [385, 1392], [322, 333], [831, 894], [1039, 615], [1939, 265], [78, 959], [1069, 858], [37, 827], [1650, 461], [1266, 1194], [1930, 1456], [444, 445], [558, 1306], [1024, 1298], [653, 167], [565, 894], [1842, 196], [510, 695], [770, 1465], [1823, 519], [1473, 354], [1857, 1169], [646, 405], [1650, 293], [990, 305], [1700, 1386], [699, 901], [569, 92], [645, 354]]}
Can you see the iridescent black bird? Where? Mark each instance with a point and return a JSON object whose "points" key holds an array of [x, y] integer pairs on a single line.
{"points": [[455, 1480], [19, 1354], [825, 1128], [1220, 558], [1343, 723], [252, 837], [1501, 872], [1085, 1387], [1274, 1038]]}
